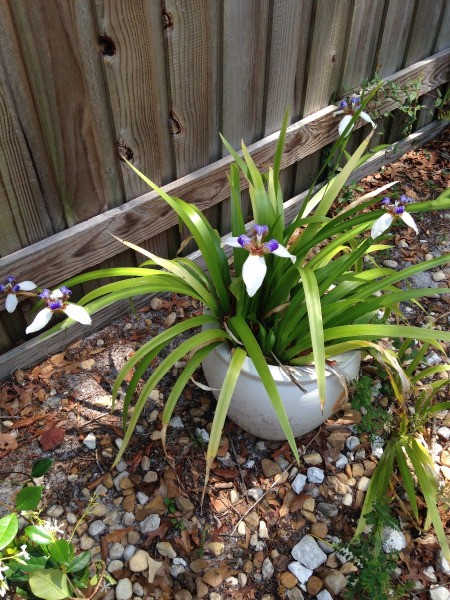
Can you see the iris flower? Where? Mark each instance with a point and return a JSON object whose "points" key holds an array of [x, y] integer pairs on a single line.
{"points": [[393, 211], [254, 268], [349, 111], [57, 301], [11, 288]]}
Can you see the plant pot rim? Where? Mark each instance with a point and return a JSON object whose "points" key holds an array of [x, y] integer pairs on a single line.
{"points": [[303, 374]]}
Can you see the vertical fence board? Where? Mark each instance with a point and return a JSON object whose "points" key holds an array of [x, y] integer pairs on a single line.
{"points": [[65, 78], [24, 221], [422, 34], [443, 39], [325, 62], [423, 31], [287, 59], [133, 48], [244, 63], [362, 39], [394, 37], [17, 90]]}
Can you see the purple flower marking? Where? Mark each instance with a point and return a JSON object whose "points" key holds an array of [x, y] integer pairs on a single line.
{"points": [[10, 279], [15, 288], [65, 290], [399, 210], [356, 102], [404, 199], [261, 230], [271, 245], [386, 200], [55, 304], [2, 287], [343, 104], [45, 294], [244, 240]]}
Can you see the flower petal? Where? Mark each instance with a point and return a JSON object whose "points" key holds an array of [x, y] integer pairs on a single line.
{"points": [[11, 303], [367, 119], [40, 320], [78, 313], [56, 294], [284, 253], [27, 286], [253, 272], [407, 218], [381, 224], [232, 241], [343, 124]]}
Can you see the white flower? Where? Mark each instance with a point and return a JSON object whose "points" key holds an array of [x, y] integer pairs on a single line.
{"points": [[395, 210], [57, 302], [254, 269], [349, 112], [11, 288], [23, 552], [54, 527]]}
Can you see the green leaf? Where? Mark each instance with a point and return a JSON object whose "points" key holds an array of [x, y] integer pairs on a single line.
{"points": [[79, 562], [39, 534], [199, 340], [51, 584], [378, 485], [41, 467], [408, 481], [34, 563], [80, 579], [62, 552], [313, 306], [223, 402], [245, 334], [9, 527], [29, 497]]}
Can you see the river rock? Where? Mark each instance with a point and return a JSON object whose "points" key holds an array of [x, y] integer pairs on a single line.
{"points": [[308, 553]]}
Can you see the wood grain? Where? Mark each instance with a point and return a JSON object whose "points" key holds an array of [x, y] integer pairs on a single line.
{"points": [[88, 243], [362, 38], [76, 133], [37, 349], [394, 37]]}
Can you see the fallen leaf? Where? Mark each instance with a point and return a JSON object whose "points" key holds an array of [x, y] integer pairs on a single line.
{"points": [[8, 442], [51, 438]]}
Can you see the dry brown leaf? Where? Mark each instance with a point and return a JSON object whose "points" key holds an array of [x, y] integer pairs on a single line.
{"points": [[51, 438], [215, 576], [8, 442]]}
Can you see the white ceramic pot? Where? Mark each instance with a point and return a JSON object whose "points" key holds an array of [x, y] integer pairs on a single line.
{"points": [[251, 408]]}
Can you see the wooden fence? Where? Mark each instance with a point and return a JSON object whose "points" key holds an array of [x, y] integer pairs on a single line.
{"points": [[157, 80]]}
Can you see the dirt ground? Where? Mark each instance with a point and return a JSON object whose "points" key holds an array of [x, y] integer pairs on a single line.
{"points": [[239, 544]]}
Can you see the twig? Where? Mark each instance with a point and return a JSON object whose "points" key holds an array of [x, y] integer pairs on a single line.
{"points": [[241, 475]]}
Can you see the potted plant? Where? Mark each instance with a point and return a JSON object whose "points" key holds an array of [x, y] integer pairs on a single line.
{"points": [[295, 296]]}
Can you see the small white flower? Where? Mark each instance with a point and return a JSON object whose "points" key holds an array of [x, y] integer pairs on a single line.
{"points": [[57, 301], [254, 268], [54, 527], [349, 112], [23, 552], [11, 289], [395, 210]]}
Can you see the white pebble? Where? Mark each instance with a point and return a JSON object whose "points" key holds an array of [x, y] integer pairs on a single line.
{"points": [[299, 483], [142, 498], [315, 475], [116, 551], [392, 539], [90, 441], [341, 462], [124, 589], [301, 572], [352, 442], [176, 423], [115, 565], [444, 432], [96, 528]]}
